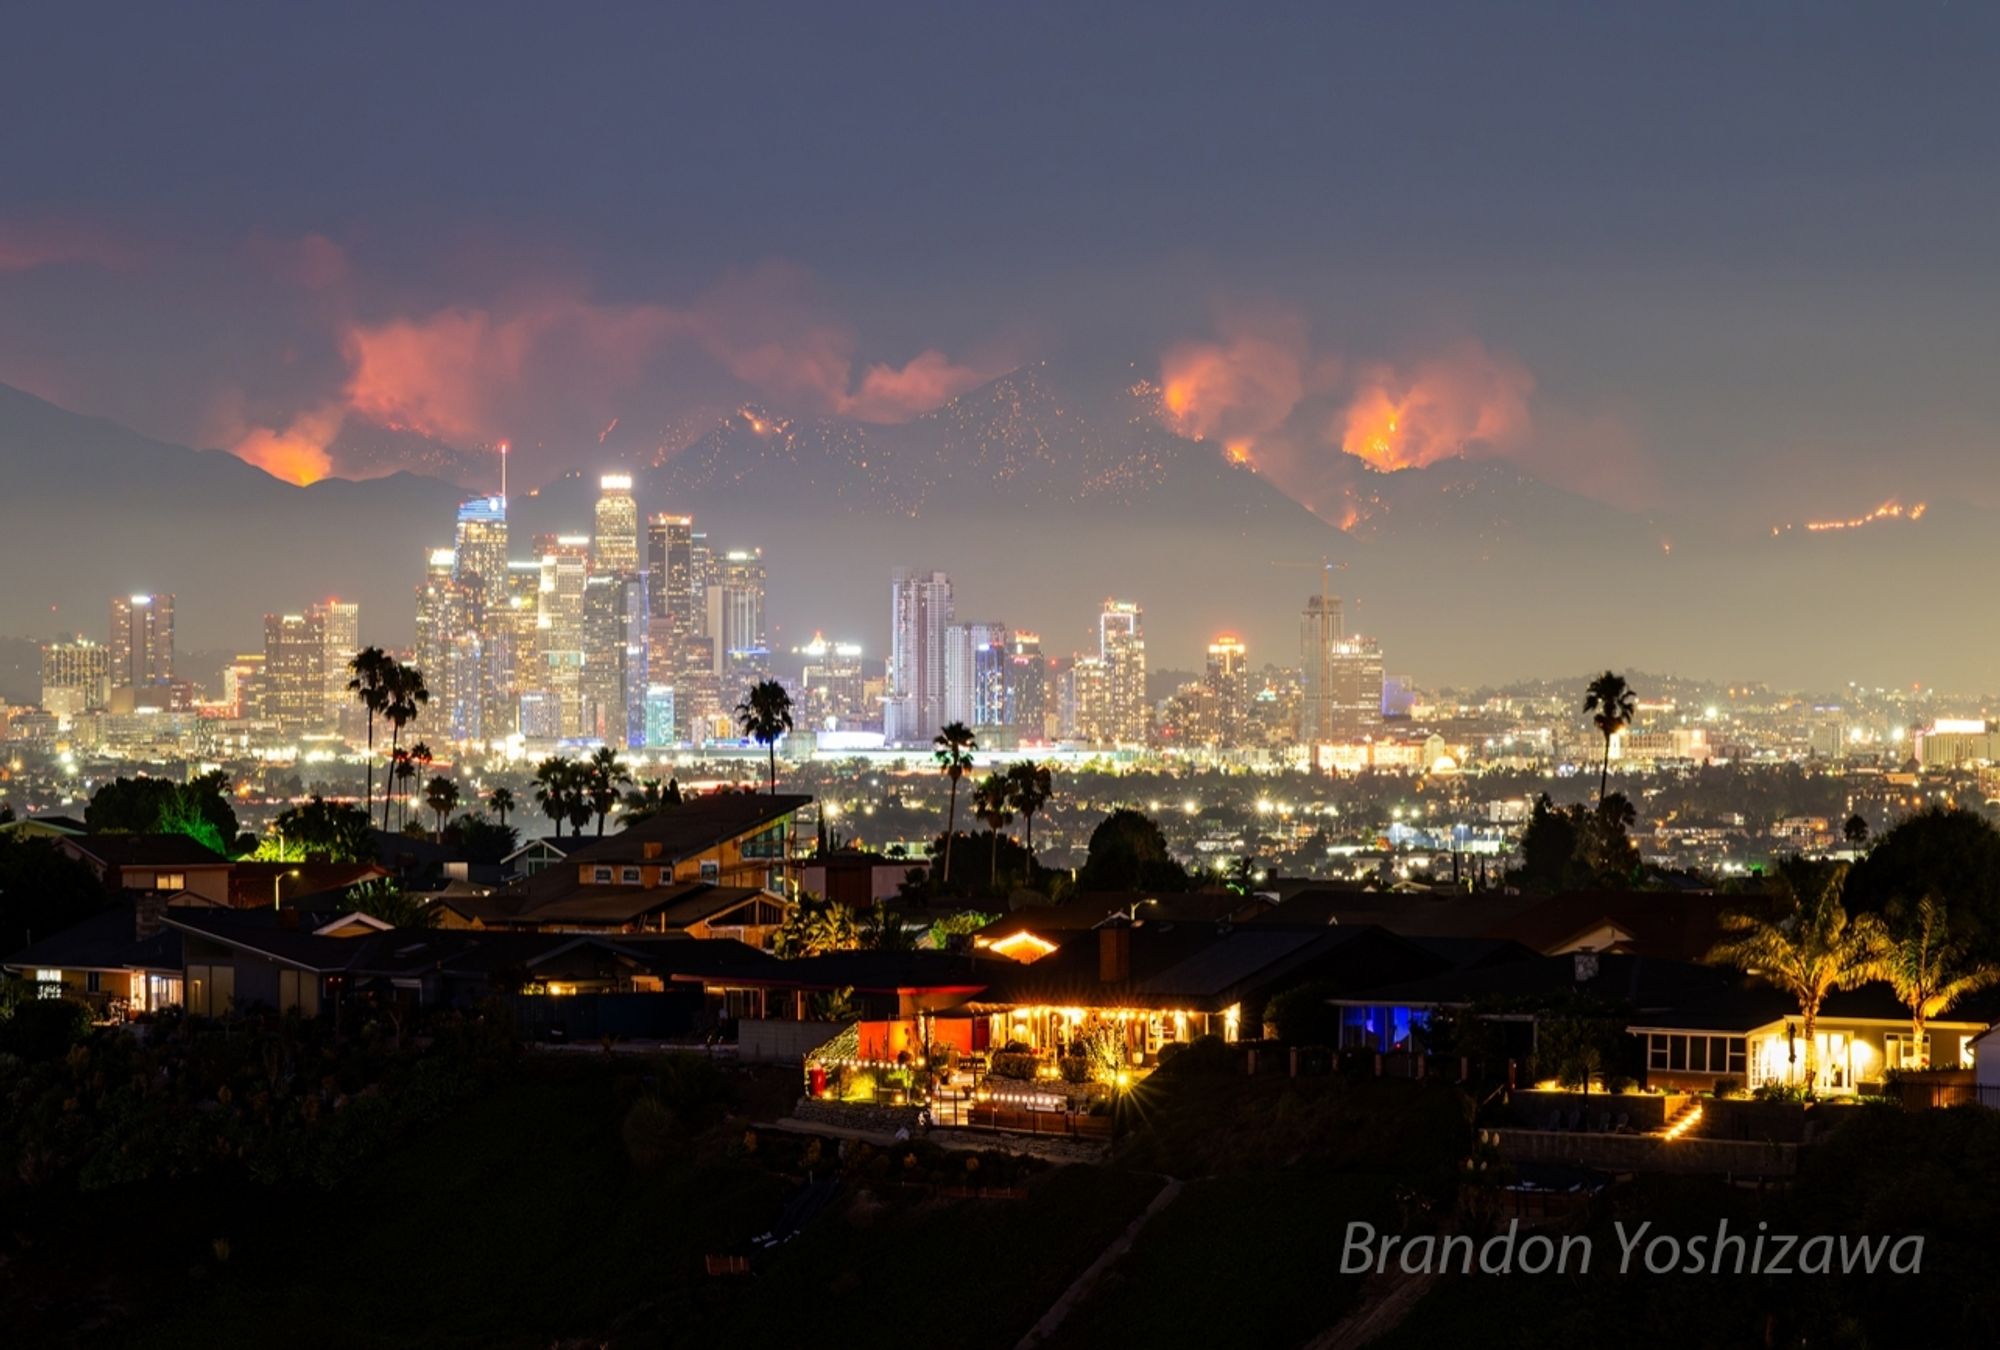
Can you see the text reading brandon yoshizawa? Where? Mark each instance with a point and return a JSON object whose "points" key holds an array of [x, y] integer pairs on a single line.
{"points": [[1752, 1251]]}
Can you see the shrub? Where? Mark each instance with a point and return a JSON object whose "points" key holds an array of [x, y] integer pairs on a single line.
{"points": [[650, 1132], [44, 1028], [1205, 1056], [1010, 1064], [1075, 1069], [1301, 1015]]}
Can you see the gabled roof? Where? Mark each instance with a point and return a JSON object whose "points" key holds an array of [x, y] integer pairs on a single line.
{"points": [[677, 906], [145, 850], [1201, 967], [1641, 983], [104, 941], [878, 972], [1682, 925], [258, 932], [252, 884], [560, 845], [695, 826]]}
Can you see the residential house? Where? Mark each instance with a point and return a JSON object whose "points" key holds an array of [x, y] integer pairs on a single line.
{"points": [[169, 863], [122, 960]]}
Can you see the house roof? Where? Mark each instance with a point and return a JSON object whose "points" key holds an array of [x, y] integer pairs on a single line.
{"points": [[1645, 984], [678, 905], [104, 941], [261, 932], [1411, 914], [695, 826], [145, 850], [1092, 908], [560, 845], [879, 972], [251, 883], [1747, 1005], [1197, 966], [1682, 925]]}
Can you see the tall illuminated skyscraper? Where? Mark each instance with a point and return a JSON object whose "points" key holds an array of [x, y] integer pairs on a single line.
{"points": [[1028, 686], [340, 630], [736, 617], [975, 674], [295, 671], [142, 640], [559, 623], [919, 613], [670, 572], [615, 547], [76, 678], [1227, 686], [1121, 639], [480, 550]]}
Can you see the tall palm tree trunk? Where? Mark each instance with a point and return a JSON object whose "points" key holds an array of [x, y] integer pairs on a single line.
{"points": [[1604, 774], [368, 802], [389, 779], [772, 747], [950, 829]]}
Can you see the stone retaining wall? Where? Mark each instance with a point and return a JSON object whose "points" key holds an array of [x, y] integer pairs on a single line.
{"points": [[856, 1115]]}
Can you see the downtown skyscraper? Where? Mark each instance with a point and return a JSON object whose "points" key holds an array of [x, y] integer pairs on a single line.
{"points": [[142, 641], [920, 610]]}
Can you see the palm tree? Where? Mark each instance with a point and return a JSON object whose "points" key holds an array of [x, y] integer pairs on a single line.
{"points": [[1614, 704], [405, 771], [764, 715], [1029, 787], [1809, 952], [602, 773], [441, 795], [552, 788], [370, 668], [415, 763], [407, 694], [501, 800], [992, 804], [1928, 969], [953, 752]]}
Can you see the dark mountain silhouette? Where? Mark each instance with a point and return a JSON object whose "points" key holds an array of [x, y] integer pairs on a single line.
{"points": [[1042, 493], [91, 509]]}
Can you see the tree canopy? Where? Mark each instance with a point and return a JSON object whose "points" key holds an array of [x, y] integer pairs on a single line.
{"points": [[198, 808], [1129, 853]]}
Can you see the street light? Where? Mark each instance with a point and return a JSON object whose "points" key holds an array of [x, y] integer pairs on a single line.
{"points": [[1131, 912], [277, 879]]}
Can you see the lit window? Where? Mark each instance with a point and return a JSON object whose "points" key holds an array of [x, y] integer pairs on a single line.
{"points": [[170, 881]]}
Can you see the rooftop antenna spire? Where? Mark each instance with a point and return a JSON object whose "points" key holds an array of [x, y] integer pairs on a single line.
{"points": [[503, 473]]}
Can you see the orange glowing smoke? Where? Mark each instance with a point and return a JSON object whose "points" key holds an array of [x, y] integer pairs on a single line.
{"points": [[297, 454], [1238, 390], [1462, 402]]}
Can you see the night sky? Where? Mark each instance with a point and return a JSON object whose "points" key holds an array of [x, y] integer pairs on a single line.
{"points": [[1729, 259]]}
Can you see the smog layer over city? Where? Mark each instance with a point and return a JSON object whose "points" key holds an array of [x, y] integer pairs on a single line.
{"points": [[1023, 675]]}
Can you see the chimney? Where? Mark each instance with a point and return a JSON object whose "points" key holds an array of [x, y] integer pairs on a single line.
{"points": [[1586, 967], [147, 909], [1114, 954]]}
